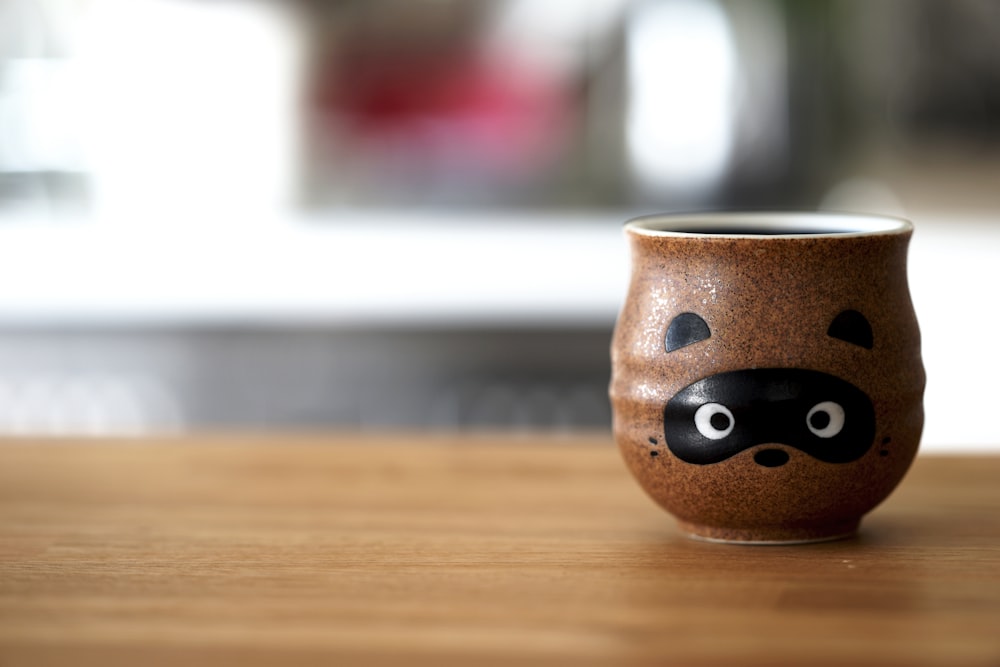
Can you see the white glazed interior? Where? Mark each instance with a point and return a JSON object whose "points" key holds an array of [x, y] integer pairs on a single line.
{"points": [[776, 224]]}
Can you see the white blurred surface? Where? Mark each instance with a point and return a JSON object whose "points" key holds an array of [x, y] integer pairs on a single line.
{"points": [[355, 269]]}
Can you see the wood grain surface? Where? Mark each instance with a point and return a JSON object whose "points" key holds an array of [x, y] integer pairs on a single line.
{"points": [[348, 549]]}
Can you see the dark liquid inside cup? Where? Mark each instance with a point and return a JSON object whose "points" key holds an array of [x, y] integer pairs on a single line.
{"points": [[757, 231]]}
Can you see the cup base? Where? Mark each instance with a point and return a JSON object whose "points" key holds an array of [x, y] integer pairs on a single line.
{"points": [[771, 535]]}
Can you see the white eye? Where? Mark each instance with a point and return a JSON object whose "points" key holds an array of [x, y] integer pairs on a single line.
{"points": [[826, 419], [714, 421]]}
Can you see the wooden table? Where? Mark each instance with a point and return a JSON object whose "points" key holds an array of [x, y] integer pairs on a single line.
{"points": [[345, 549]]}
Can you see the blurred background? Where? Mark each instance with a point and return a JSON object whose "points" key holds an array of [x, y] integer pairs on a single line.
{"points": [[372, 213]]}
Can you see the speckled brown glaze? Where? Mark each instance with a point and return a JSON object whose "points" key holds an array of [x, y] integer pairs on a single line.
{"points": [[768, 301]]}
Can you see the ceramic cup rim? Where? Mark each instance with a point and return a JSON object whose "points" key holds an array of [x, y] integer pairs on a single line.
{"points": [[778, 225]]}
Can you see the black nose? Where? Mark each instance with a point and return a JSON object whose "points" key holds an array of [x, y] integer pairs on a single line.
{"points": [[771, 458]]}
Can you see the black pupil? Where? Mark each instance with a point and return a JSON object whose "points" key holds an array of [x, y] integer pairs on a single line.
{"points": [[719, 421], [819, 420]]}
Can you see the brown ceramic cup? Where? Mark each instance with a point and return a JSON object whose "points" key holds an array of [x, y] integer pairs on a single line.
{"points": [[767, 383]]}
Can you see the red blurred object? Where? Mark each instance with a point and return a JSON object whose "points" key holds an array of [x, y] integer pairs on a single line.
{"points": [[451, 106]]}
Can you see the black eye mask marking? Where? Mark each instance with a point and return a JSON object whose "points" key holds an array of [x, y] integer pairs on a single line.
{"points": [[853, 327], [686, 329], [724, 414]]}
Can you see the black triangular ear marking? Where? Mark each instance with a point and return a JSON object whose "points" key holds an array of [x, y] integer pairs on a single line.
{"points": [[853, 327], [686, 329]]}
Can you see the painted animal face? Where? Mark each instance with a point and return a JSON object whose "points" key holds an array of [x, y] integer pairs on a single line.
{"points": [[724, 414]]}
